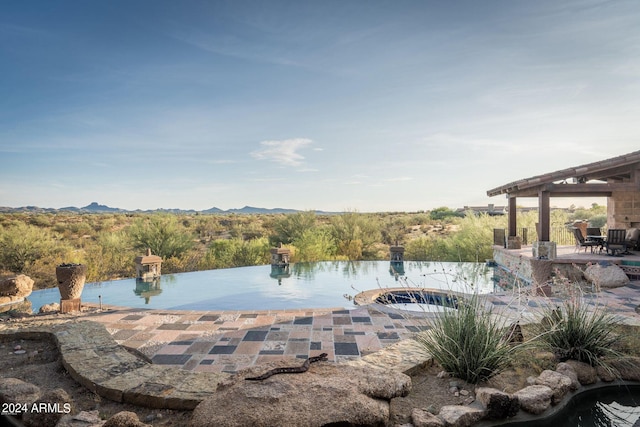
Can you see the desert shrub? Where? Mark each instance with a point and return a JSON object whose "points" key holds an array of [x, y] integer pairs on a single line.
{"points": [[575, 330], [598, 221], [426, 248], [22, 244], [225, 253], [110, 258], [292, 227], [469, 342], [314, 245], [474, 239], [163, 234], [356, 235]]}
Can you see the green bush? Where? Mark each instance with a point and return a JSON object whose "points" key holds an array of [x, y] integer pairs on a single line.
{"points": [[22, 245], [163, 234], [577, 331], [356, 235], [469, 343], [314, 245], [292, 227]]}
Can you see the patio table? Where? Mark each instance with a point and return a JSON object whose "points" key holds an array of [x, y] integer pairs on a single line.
{"points": [[599, 239]]}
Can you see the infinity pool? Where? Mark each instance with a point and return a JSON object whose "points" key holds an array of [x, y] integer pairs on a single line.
{"points": [[301, 285]]}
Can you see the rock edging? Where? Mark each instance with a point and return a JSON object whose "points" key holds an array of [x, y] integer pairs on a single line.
{"points": [[95, 360], [546, 394]]}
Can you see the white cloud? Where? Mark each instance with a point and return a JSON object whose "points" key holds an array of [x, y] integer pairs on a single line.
{"points": [[399, 178], [284, 152]]}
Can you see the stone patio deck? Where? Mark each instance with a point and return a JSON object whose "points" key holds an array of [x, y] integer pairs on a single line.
{"points": [[190, 352]]}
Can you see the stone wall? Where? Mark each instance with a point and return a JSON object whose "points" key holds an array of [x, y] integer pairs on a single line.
{"points": [[623, 209]]}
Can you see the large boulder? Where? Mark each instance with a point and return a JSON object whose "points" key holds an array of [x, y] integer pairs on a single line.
{"points": [[568, 371], [628, 368], [422, 418], [460, 415], [560, 384], [82, 419], [499, 405], [534, 399], [606, 275], [125, 419], [14, 390], [586, 373], [327, 393], [15, 288], [48, 409]]}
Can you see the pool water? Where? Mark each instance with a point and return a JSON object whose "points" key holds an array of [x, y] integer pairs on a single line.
{"points": [[302, 285], [601, 407]]}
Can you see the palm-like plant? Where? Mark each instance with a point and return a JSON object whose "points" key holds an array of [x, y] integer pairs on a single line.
{"points": [[574, 331], [469, 343]]}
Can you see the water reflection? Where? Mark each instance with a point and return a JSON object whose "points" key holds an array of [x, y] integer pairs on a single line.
{"points": [[465, 277], [348, 269], [280, 272], [396, 269], [147, 289]]}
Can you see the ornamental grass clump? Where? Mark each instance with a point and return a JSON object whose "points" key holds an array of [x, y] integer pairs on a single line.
{"points": [[469, 343], [575, 330]]}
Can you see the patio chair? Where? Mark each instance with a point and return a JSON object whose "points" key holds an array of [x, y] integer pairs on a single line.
{"points": [[593, 231], [582, 243], [615, 243], [631, 238]]}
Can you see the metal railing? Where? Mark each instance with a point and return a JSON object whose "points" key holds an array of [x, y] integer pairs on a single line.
{"points": [[561, 235]]}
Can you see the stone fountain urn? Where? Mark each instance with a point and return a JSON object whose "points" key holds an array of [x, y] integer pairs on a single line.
{"points": [[71, 279]]}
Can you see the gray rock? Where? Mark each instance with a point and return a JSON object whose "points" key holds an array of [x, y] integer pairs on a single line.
{"points": [[54, 307], [534, 399], [48, 409], [82, 419], [606, 276], [558, 383], [125, 419], [326, 393], [607, 374], [499, 405], [422, 418], [460, 416], [586, 373], [19, 286], [568, 371], [628, 368], [13, 390]]}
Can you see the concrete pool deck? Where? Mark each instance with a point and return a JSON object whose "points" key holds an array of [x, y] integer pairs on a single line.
{"points": [[227, 341]]}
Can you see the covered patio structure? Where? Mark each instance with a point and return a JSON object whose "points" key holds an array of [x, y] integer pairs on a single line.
{"points": [[617, 179]]}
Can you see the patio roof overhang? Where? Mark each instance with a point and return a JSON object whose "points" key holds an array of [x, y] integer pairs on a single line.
{"points": [[598, 179]]}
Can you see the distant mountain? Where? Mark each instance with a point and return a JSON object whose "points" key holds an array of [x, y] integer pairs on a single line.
{"points": [[95, 207], [253, 210]]}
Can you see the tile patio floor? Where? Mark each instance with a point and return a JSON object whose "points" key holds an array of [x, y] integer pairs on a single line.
{"points": [[230, 340], [226, 341]]}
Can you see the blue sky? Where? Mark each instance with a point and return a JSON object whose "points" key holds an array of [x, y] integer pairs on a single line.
{"points": [[332, 105]]}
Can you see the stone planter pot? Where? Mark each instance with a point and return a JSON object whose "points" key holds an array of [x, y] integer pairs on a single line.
{"points": [[71, 279]]}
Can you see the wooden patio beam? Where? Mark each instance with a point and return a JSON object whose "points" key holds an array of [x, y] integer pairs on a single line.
{"points": [[544, 216], [513, 227]]}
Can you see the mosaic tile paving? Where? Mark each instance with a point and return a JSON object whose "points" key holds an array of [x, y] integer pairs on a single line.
{"points": [[226, 341]]}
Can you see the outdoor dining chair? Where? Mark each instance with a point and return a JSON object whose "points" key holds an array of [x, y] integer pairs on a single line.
{"points": [[616, 244], [581, 242]]}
